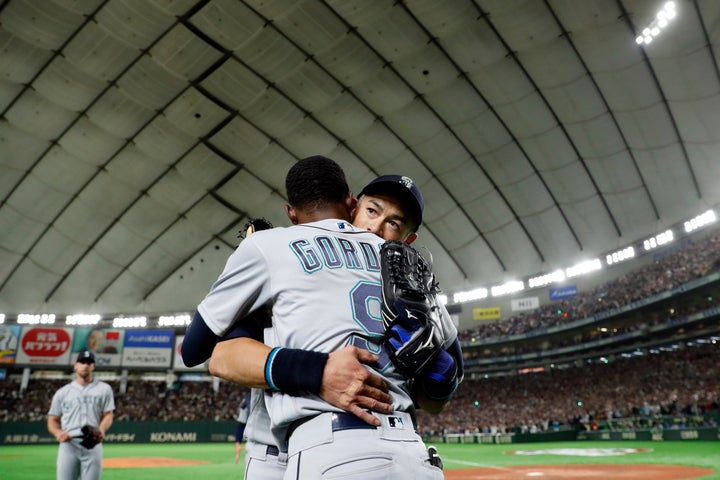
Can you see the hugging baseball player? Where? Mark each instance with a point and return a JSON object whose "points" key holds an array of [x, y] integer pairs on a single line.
{"points": [[322, 281]]}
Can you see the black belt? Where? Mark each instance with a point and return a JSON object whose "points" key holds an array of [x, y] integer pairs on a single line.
{"points": [[340, 421], [348, 421], [272, 450]]}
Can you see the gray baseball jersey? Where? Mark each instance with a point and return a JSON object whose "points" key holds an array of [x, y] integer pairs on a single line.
{"points": [[79, 405], [323, 282]]}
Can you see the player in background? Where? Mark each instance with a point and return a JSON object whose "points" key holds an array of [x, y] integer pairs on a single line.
{"points": [[242, 420], [300, 371], [84, 401]]}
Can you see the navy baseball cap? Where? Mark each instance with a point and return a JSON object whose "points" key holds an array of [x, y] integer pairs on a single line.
{"points": [[402, 185], [85, 356]]}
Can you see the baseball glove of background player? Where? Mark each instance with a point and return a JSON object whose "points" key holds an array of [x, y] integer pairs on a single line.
{"points": [[255, 225], [409, 308], [91, 436]]}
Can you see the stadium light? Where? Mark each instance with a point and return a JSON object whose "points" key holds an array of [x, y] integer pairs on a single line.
{"points": [[583, 267], [620, 256], [661, 20], [658, 240], [547, 279], [477, 294], [82, 319], [174, 320], [700, 221], [36, 319], [129, 322], [507, 288]]}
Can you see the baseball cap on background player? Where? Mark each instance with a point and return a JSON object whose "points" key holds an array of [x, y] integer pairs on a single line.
{"points": [[85, 356], [403, 186]]}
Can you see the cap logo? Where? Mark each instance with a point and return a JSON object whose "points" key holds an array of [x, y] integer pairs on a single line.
{"points": [[407, 181]]}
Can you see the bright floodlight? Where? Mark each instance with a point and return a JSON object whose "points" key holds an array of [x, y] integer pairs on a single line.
{"points": [[661, 20]]}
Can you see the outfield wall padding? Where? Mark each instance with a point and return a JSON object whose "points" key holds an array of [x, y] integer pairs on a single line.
{"points": [[23, 433], [17, 433]]}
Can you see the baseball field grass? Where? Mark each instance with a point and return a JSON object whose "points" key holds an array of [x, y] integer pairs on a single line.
{"points": [[38, 462]]}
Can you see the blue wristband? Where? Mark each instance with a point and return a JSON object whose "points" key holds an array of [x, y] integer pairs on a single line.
{"points": [[294, 371], [439, 379]]}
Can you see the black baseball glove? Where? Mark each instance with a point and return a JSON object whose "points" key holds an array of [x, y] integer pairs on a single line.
{"points": [[91, 436], [255, 225], [410, 311]]}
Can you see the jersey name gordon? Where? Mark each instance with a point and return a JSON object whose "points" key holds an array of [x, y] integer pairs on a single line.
{"points": [[336, 252]]}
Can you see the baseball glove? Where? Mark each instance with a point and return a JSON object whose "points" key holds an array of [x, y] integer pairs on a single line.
{"points": [[255, 225], [91, 436], [410, 312]]}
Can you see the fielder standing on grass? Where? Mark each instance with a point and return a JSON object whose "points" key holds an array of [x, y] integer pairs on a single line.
{"points": [[80, 414]]}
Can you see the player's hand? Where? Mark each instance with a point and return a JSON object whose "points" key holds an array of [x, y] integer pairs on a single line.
{"points": [[63, 437], [238, 449], [347, 384]]}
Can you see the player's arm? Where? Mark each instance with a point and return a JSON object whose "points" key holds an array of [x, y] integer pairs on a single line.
{"points": [[53, 426], [106, 422], [198, 343], [339, 378]]}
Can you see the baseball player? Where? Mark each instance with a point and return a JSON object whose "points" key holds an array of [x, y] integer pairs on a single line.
{"points": [[81, 403], [390, 206], [242, 420], [322, 282]]}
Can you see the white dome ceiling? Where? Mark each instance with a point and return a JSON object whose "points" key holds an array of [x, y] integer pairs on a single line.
{"points": [[137, 136]]}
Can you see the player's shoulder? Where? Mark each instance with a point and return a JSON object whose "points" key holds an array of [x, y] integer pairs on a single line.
{"points": [[99, 384]]}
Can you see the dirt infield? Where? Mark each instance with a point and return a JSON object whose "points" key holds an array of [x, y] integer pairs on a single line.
{"points": [[145, 462], [539, 472], [566, 472]]}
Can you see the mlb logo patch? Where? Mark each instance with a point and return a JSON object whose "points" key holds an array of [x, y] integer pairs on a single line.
{"points": [[395, 422]]}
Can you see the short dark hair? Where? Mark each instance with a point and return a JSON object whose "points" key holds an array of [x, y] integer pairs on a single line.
{"points": [[315, 181]]}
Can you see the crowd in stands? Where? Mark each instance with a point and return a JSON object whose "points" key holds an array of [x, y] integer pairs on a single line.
{"points": [[678, 265], [143, 400], [682, 382]]}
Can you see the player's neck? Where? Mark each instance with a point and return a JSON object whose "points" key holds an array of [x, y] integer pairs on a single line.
{"points": [[82, 380], [324, 212]]}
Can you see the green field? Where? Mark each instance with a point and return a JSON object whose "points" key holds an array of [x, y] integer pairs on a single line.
{"points": [[38, 462]]}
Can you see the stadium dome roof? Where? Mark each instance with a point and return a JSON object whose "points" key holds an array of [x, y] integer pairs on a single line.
{"points": [[136, 138]]}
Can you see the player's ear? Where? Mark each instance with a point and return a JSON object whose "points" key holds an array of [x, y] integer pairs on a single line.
{"points": [[291, 214], [354, 210], [351, 203], [411, 238]]}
